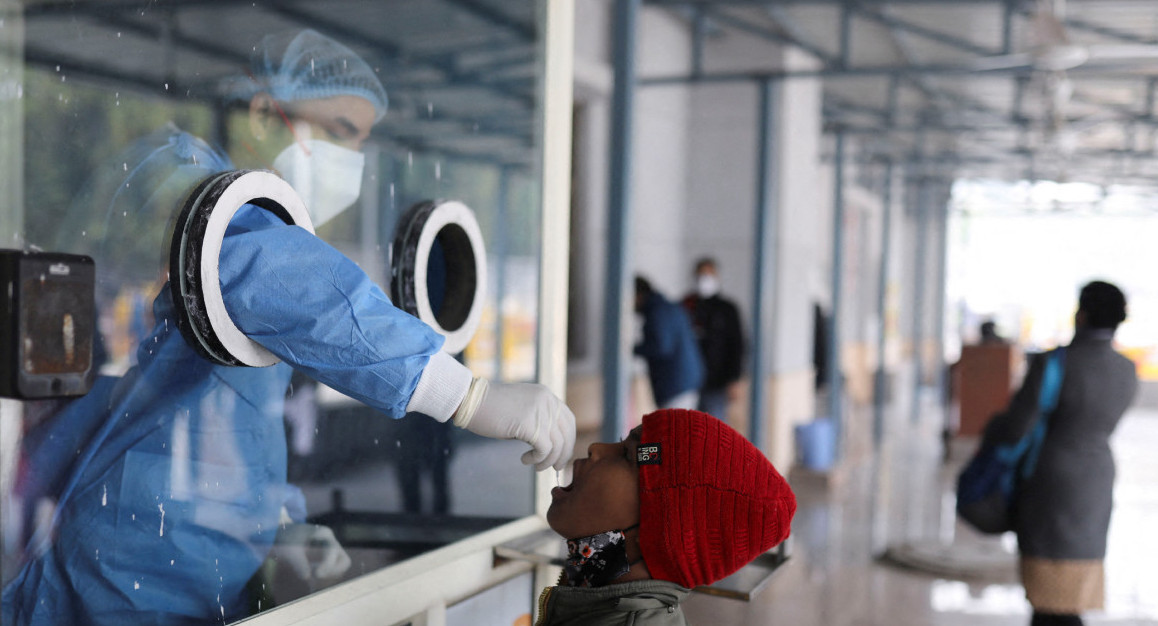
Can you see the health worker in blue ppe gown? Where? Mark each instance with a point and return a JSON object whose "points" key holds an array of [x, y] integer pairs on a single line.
{"points": [[169, 481]]}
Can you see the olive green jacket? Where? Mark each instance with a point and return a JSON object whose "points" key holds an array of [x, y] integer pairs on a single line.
{"points": [[636, 603]]}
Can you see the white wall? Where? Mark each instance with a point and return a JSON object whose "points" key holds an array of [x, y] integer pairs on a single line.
{"points": [[660, 157], [805, 216], [592, 92], [722, 192], [660, 164], [721, 185], [593, 32]]}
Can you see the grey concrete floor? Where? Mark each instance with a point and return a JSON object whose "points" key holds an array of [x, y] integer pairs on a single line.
{"points": [[837, 578]]}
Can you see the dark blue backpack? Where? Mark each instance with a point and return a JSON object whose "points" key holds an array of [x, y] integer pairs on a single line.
{"points": [[987, 486]]}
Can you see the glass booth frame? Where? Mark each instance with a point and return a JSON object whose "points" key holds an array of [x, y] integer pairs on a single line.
{"points": [[419, 589]]}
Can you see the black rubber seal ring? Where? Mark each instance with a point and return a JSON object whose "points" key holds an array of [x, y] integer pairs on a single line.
{"points": [[404, 256], [185, 256]]}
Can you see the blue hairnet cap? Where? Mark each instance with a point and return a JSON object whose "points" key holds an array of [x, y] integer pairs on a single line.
{"points": [[307, 65]]}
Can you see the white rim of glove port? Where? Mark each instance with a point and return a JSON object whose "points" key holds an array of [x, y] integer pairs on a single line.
{"points": [[453, 226], [215, 205]]}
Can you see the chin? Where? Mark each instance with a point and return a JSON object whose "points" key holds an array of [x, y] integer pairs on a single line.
{"points": [[552, 513]]}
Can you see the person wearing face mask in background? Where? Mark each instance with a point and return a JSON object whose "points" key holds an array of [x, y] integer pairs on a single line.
{"points": [[716, 321], [169, 479]]}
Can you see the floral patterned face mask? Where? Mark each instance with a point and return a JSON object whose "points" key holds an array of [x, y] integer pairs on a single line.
{"points": [[597, 560]]}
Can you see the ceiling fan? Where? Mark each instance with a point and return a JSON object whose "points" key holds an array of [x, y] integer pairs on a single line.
{"points": [[1050, 55], [1051, 49]]}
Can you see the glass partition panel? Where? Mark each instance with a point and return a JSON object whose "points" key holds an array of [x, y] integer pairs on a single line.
{"points": [[180, 490]]}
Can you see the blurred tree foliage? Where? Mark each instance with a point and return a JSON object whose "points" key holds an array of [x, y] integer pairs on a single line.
{"points": [[74, 128]]}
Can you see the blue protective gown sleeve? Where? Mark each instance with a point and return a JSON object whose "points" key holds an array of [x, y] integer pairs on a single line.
{"points": [[314, 308]]}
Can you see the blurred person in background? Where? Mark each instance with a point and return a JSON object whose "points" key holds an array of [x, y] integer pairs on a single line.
{"points": [[989, 334], [1063, 508], [716, 322], [674, 364]]}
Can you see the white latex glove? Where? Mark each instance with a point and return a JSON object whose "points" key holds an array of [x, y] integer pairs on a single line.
{"points": [[525, 411], [297, 543]]}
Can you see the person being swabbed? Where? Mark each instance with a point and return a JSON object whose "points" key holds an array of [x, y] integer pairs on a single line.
{"points": [[683, 501], [169, 481]]}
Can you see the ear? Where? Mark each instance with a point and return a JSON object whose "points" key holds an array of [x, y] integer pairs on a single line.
{"points": [[261, 109]]}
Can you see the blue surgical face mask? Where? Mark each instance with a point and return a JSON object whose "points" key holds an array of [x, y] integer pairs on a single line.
{"points": [[327, 176], [597, 560]]}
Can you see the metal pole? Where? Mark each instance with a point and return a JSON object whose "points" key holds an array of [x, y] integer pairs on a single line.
{"points": [[1019, 120], [894, 96], [880, 381], [764, 284], [699, 34], [835, 374], [500, 256], [1007, 26], [846, 34], [919, 275], [615, 353], [941, 202], [1148, 113]]}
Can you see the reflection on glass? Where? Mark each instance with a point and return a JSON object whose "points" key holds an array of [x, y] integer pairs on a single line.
{"points": [[182, 491]]}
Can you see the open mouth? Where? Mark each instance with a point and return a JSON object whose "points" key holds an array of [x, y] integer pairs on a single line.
{"points": [[574, 474], [557, 492]]}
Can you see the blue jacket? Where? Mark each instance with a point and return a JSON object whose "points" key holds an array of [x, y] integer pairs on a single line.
{"points": [[669, 346], [169, 481]]}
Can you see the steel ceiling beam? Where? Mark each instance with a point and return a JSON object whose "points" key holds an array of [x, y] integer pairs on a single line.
{"points": [[1106, 31], [688, 3], [767, 34], [931, 93], [1080, 159], [784, 22], [389, 49], [487, 13], [516, 163], [202, 46], [879, 16], [837, 102], [912, 129], [865, 71], [1122, 114], [45, 59], [96, 9]]}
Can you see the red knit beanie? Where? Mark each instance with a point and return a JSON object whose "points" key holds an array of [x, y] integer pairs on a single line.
{"points": [[709, 501]]}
